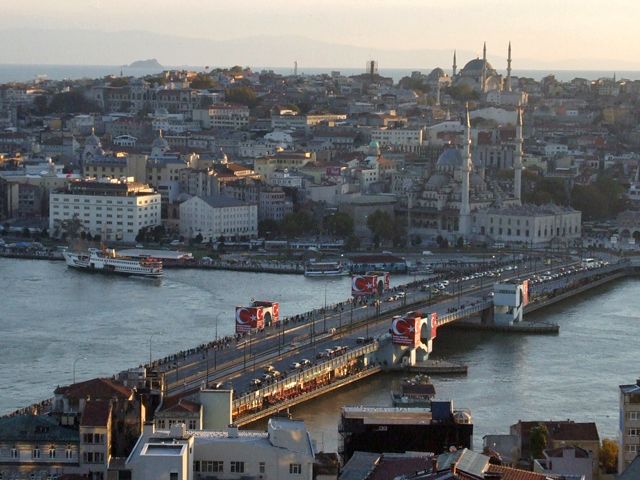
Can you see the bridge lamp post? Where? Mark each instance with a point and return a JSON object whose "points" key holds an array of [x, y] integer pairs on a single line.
{"points": [[325, 308]]}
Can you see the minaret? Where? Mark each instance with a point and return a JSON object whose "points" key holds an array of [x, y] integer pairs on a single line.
{"points": [[464, 222], [509, 69], [438, 94], [455, 67], [484, 68], [517, 161]]}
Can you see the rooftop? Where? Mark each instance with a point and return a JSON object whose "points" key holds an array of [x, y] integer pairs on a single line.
{"points": [[96, 388], [32, 428], [96, 414]]}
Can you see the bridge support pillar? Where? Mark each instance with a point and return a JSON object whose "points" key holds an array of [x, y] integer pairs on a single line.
{"points": [[509, 301]]}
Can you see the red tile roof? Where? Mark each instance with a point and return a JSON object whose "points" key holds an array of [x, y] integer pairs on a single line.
{"points": [[515, 474], [96, 414], [96, 388]]}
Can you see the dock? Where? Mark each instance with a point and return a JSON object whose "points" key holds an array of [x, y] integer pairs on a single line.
{"points": [[436, 367]]}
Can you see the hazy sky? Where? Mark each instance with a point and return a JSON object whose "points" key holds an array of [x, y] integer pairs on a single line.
{"points": [[542, 30]]}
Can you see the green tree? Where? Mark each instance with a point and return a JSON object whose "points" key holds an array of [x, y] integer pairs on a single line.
{"points": [[198, 238], [339, 224], [609, 455], [298, 224], [352, 243], [203, 81], [538, 439], [72, 102], [119, 82], [242, 95], [381, 226], [268, 228]]}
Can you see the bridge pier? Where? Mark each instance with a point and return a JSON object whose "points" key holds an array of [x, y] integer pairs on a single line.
{"points": [[509, 301]]}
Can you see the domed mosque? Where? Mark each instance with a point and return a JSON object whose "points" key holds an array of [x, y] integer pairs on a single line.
{"points": [[480, 75], [443, 204]]}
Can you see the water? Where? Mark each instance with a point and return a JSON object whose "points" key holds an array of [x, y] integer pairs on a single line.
{"points": [[51, 316], [24, 73]]}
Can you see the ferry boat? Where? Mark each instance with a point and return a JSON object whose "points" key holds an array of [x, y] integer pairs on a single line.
{"points": [[325, 269], [108, 261]]}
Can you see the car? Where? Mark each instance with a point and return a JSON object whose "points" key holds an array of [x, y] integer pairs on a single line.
{"points": [[296, 365], [320, 355], [361, 340], [276, 374], [427, 252], [266, 377], [445, 282], [256, 382], [269, 368], [305, 362]]}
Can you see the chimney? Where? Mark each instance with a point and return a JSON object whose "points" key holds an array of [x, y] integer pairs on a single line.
{"points": [[232, 431], [149, 428]]}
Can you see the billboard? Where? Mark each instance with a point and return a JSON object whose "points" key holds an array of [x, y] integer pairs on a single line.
{"points": [[384, 277], [270, 311], [405, 330], [248, 318], [433, 325], [362, 285]]}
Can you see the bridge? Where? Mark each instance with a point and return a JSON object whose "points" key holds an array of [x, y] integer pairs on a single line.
{"points": [[313, 354]]}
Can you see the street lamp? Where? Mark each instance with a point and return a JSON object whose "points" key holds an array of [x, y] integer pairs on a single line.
{"points": [[74, 367]]}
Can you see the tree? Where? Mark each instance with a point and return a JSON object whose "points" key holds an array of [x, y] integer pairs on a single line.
{"points": [[352, 243], [242, 95], [202, 81], [538, 439], [26, 233], [609, 455], [198, 238], [339, 224], [460, 242], [298, 224], [119, 82], [268, 228], [72, 102], [381, 225]]}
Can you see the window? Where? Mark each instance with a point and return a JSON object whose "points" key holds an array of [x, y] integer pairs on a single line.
{"points": [[35, 453], [212, 466], [68, 452], [14, 452], [52, 452], [173, 476], [632, 432], [262, 467], [633, 415], [192, 425], [237, 467], [295, 468], [196, 465]]}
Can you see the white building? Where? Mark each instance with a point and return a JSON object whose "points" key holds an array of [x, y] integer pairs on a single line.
{"points": [[285, 178], [215, 216], [629, 433], [405, 139], [528, 224], [222, 116], [114, 209], [284, 451]]}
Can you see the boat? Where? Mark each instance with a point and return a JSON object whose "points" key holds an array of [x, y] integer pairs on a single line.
{"points": [[417, 392], [325, 269], [107, 260]]}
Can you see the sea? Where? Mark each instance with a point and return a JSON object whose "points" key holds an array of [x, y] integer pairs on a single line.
{"points": [[25, 72], [52, 317]]}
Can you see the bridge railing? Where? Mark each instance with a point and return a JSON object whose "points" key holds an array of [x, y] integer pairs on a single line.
{"points": [[463, 312], [304, 375]]}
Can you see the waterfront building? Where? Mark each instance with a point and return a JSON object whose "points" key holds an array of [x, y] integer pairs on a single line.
{"points": [[402, 139], [114, 209], [284, 451], [568, 460], [565, 432], [215, 216], [529, 224], [629, 433], [393, 429]]}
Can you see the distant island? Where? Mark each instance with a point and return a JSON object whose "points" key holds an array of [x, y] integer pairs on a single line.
{"points": [[151, 63]]}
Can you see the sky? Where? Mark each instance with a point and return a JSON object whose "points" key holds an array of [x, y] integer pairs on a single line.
{"points": [[589, 33]]}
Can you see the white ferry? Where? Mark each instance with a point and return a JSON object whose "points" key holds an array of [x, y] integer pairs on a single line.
{"points": [[108, 261], [325, 269]]}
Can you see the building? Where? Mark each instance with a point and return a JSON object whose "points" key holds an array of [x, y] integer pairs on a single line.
{"points": [[529, 224], [34, 446], [284, 451], [216, 216], [391, 429], [568, 460], [565, 432], [402, 139], [629, 433], [114, 209], [232, 117]]}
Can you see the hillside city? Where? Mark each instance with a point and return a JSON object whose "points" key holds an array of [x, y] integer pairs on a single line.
{"points": [[260, 171]]}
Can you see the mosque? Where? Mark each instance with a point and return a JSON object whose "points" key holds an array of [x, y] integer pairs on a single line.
{"points": [[444, 204]]}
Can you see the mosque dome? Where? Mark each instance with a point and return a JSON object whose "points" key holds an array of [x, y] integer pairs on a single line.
{"points": [[374, 144], [474, 68], [436, 74], [450, 158]]}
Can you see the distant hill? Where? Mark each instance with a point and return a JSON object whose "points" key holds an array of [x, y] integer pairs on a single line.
{"points": [[151, 63]]}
